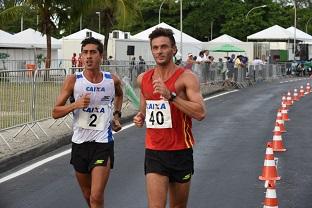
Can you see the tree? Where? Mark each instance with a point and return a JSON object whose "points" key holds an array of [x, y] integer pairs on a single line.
{"points": [[115, 14]]}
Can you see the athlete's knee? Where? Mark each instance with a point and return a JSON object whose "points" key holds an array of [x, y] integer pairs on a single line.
{"points": [[181, 205], [97, 199], [86, 194]]}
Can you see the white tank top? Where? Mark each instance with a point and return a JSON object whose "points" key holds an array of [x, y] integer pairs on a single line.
{"points": [[94, 122]]}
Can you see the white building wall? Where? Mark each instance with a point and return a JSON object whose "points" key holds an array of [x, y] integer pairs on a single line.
{"points": [[118, 49]]}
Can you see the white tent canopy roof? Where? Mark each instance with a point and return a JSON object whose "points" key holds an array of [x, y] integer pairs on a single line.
{"points": [[225, 39], [82, 34], [4, 35], [177, 34], [275, 32], [300, 35], [36, 39], [29, 38]]}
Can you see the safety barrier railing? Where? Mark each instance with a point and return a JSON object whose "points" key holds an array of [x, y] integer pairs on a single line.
{"points": [[27, 97]]}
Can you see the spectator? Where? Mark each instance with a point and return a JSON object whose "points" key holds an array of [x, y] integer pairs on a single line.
{"points": [[206, 55], [74, 60], [220, 68], [230, 66], [141, 65], [80, 60], [200, 57], [257, 61], [189, 61], [108, 61], [132, 67]]}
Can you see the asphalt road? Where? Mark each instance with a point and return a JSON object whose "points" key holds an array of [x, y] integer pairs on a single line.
{"points": [[229, 156]]}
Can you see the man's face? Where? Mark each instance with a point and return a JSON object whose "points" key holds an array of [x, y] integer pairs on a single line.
{"points": [[162, 50], [91, 57]]}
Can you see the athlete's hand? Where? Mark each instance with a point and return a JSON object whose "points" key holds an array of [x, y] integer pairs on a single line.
{"points": [[83, 101], [160, 87], [138, 119], [116, 126]]}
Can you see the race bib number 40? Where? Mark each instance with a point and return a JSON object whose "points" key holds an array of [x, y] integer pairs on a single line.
{"points": [[158, 114], [94, 118]]}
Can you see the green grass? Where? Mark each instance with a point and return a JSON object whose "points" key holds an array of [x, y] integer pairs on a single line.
{"points": [[16, 102]]}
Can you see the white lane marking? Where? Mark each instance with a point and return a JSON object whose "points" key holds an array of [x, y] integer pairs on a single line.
{"points": [[33, 166], [218, 95], [68, 151], [293, 80], [41, 162]]}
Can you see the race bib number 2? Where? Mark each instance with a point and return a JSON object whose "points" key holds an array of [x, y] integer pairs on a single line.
{"points": [[94, 118], [158, 114]]}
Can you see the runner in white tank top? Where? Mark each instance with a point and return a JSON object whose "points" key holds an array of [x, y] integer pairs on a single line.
{"points": [[93, 122], [96, 107]]}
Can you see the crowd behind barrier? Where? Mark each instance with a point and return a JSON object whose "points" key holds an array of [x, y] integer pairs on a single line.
{"points": [[28, 97]]}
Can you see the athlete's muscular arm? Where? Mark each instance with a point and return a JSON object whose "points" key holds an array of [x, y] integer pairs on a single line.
{"points": [[61, 109], [194, 105], [138, 119], [118, 93], [116, 126]]}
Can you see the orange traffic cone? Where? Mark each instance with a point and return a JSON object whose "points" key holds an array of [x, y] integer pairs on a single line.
{"points": [[270, 196], [301, 91], [284, 112], [278, 145], [308, 89], [276, 127], [280, 121], [269, 170], [289, 100], [283, 99], [295, 95]]}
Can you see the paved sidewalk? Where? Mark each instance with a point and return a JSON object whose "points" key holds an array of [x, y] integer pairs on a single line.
{"points": [[52, 134]]}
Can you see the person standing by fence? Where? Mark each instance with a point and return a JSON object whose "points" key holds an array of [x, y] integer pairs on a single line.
{"points": [[96, 95], [169, 164], [74, 60]]}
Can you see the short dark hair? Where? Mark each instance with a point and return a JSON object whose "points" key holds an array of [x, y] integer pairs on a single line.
{"points": [[159, 31], [94, 41]]}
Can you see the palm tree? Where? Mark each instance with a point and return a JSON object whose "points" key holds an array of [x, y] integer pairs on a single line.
{"points": [[54, 14], [118, 14]]}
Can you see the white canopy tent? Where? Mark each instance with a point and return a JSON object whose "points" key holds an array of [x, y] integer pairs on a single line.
{"points": [[300, 35], [25, 46], [72, 43], [190, 44], [225, 39], [177, 34], [28, 38], [275, 32], [4, 36], [84, 33]]}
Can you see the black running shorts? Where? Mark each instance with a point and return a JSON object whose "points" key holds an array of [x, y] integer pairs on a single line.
{"points": [[87, 155], [178, 165]]}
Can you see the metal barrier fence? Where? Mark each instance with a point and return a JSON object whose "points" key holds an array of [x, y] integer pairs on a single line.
{"points": [[212, 73], [28, 96]]}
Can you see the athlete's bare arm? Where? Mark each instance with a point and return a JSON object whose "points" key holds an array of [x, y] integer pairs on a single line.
{"points": [[138, 119], [117, 103], [189, 99], [118, 93], [60, 108], [193, 105]]}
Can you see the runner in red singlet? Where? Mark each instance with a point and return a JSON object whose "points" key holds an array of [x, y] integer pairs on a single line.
{"points": [[170, 98]]}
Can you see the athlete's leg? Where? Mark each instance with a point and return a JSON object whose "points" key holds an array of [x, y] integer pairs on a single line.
{"points": [[100, 176], [178, 194], [157, 188], [84, 181]]}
